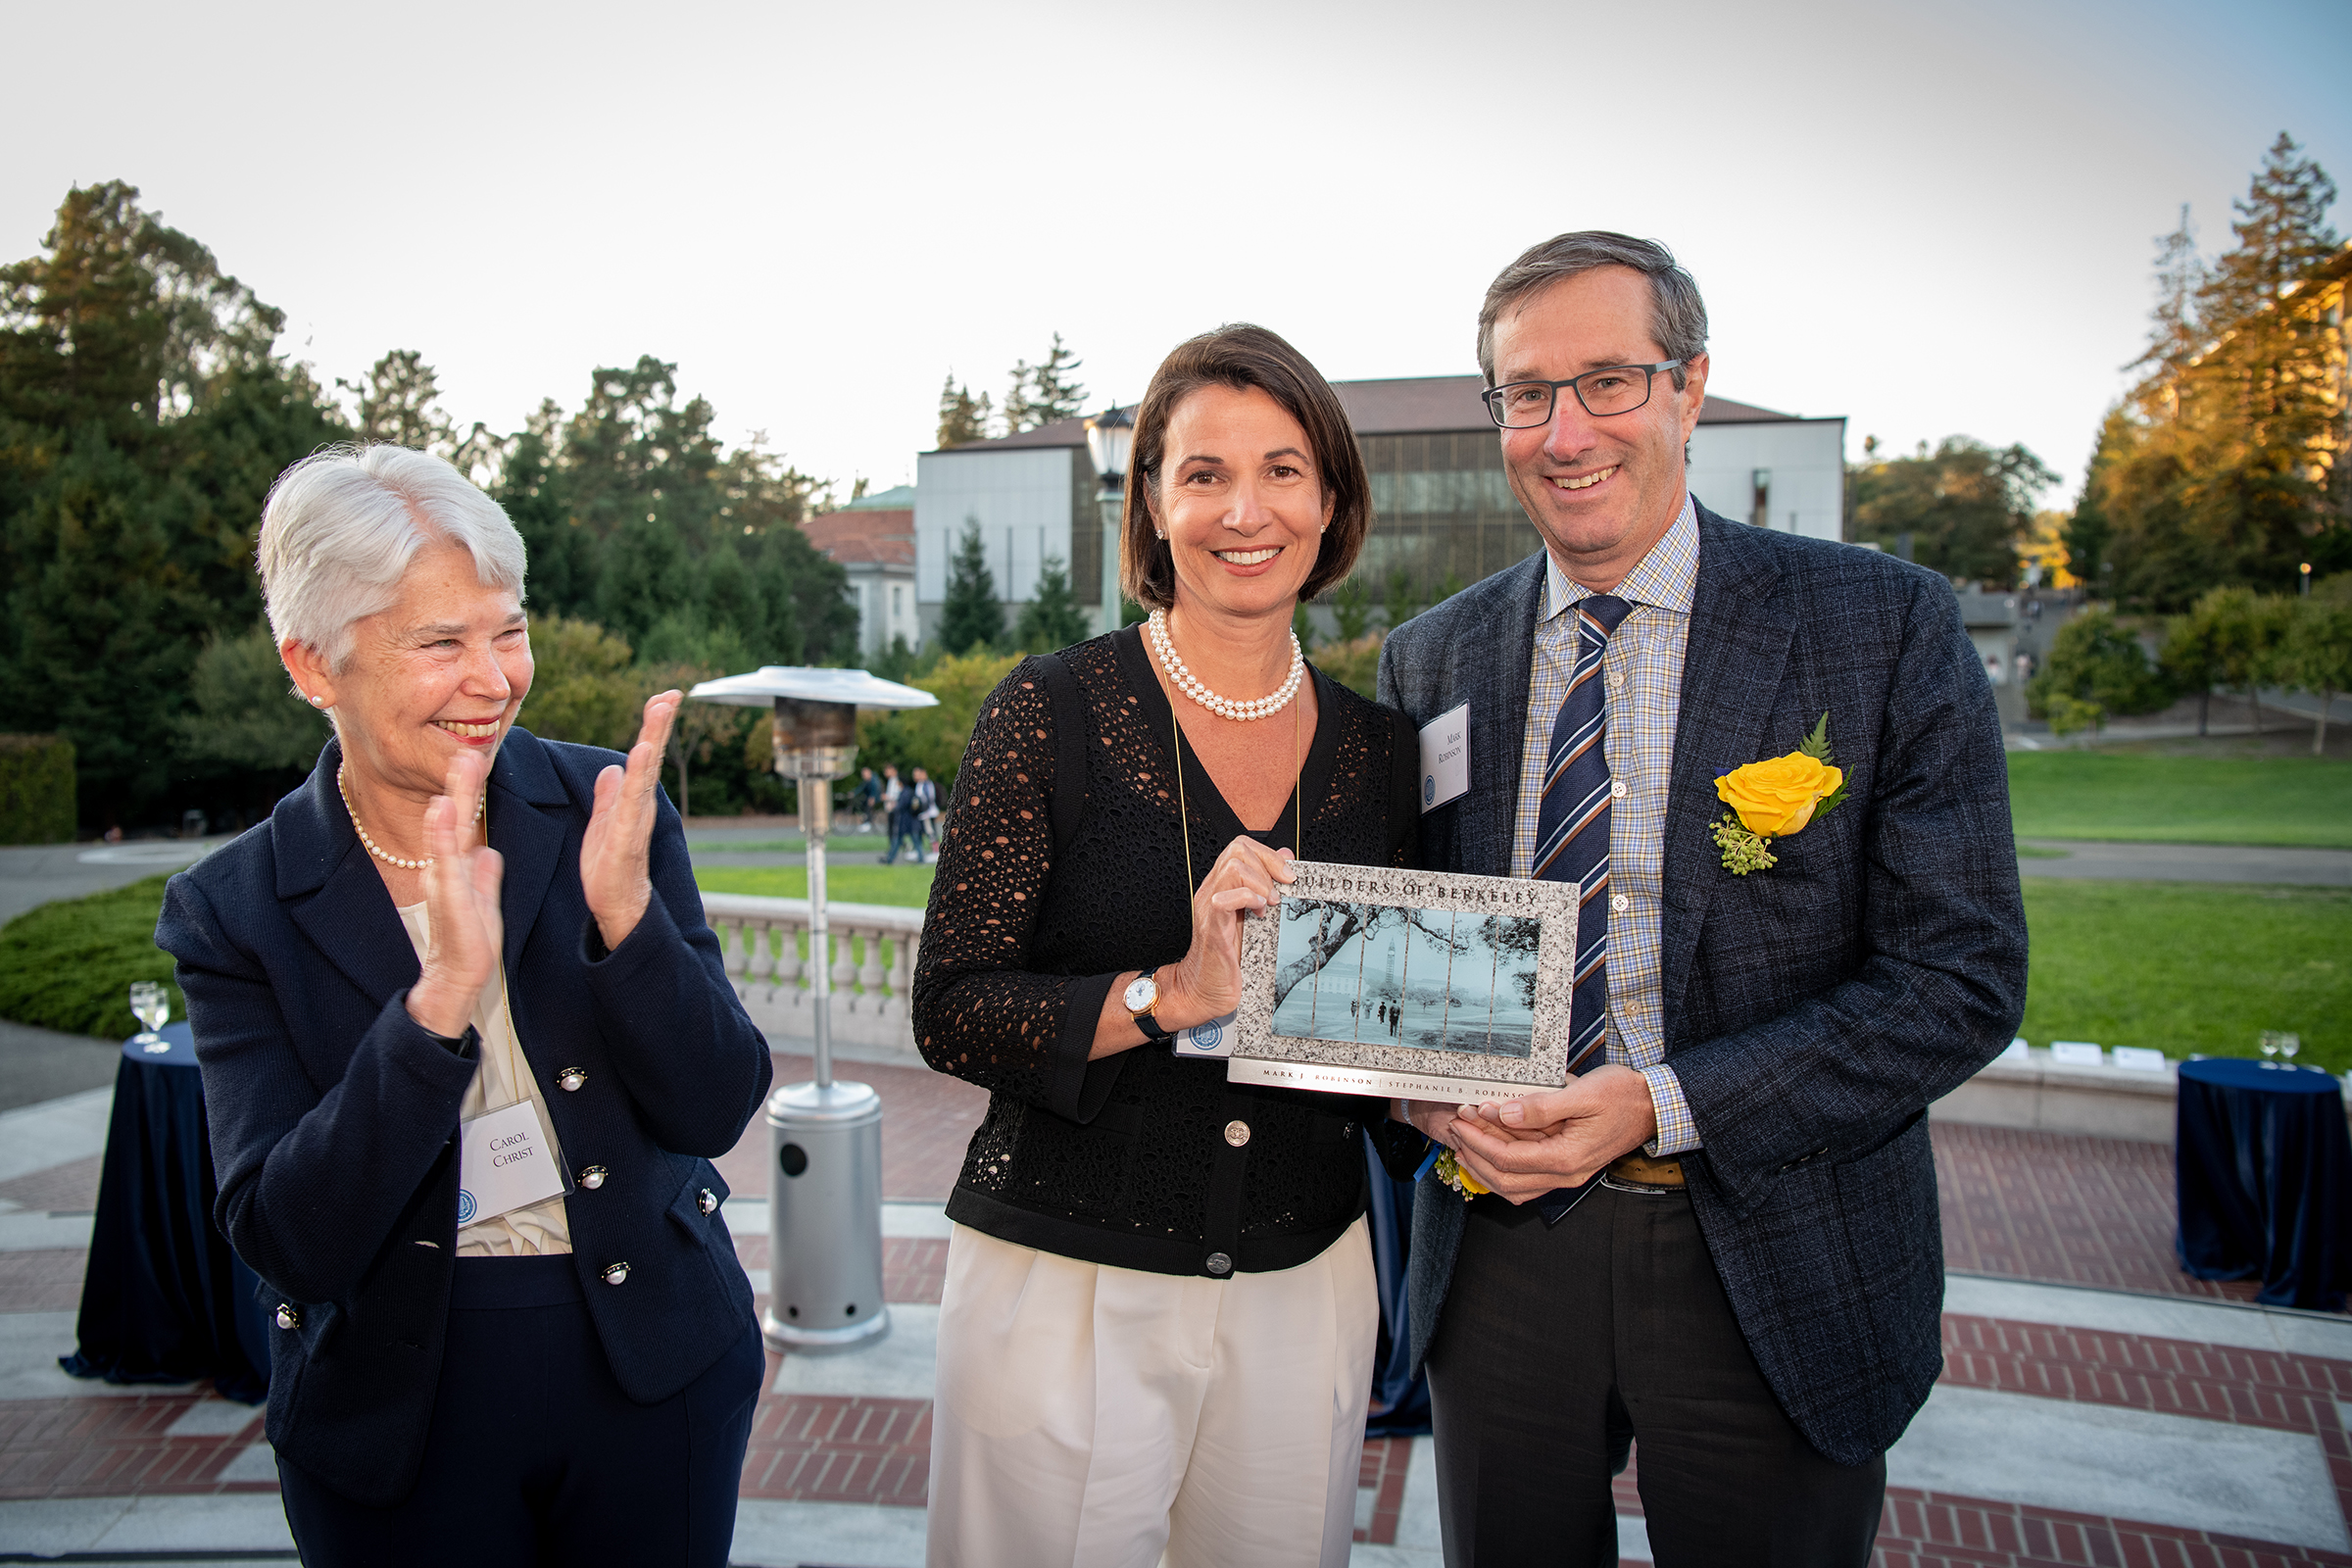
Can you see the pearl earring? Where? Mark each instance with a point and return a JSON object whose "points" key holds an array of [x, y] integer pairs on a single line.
{"points": [[1161, 537], [318, 701]]}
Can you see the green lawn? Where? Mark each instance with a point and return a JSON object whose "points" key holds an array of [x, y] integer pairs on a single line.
{"points": [[2181, 800], [2181, 966], [2191, 967], [908, 884], [69, 965]]}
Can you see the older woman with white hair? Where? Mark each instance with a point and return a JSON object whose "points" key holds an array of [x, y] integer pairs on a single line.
{"points": [[469, 1052]]}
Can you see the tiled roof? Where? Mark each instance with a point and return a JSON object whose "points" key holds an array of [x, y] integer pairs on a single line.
{"points": [[868, 537]]}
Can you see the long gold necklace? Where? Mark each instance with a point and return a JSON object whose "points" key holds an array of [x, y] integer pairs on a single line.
{"points": [[360, 828], [1184, 822]]}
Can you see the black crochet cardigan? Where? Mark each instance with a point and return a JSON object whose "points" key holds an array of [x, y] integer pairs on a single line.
{"points": [[1063, 864]]}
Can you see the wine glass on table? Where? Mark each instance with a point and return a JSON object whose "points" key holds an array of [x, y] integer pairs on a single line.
{"points": [[2288, 1045], [2270, 1048], [151, 1005]]}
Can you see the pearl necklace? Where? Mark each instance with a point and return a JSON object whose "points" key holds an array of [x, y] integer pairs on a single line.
{"points": [[372, 849], [1224, 706]]}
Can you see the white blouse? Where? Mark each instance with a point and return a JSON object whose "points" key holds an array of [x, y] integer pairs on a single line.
{"points": [[504, 1078]]}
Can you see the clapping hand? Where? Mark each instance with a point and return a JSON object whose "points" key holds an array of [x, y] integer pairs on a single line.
{"points": [[460, 901], [620, 828]]}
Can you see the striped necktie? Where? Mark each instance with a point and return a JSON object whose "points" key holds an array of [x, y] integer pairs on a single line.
{"points": [[1572, 840]]}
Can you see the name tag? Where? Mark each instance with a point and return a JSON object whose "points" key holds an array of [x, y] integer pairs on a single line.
{"points": [[1211, 1039], [1445, 757], [505, 1161]]}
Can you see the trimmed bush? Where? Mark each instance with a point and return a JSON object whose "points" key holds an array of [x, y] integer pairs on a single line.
{"points": [[36, 789], [69, 965]]}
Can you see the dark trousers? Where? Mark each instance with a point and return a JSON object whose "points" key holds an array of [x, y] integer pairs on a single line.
{"points": [[1560, 1345], [535, 1456]]}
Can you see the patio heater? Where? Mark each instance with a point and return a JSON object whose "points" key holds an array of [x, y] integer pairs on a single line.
{"points": [[824, 1139], [1109, 436]]}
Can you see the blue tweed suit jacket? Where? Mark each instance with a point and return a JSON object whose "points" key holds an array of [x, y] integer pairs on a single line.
{"points": [[333, 1114], [1812, 1011]]}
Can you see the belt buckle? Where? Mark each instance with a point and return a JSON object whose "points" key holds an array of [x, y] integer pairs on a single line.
{"points": [[1618, 1184]]}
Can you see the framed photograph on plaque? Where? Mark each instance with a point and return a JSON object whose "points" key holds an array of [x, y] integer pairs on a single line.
{"points": [[1419, 984]]}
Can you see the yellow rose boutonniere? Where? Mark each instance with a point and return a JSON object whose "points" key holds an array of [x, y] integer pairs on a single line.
{"points": [[1448, 1170], [1775, 798]]}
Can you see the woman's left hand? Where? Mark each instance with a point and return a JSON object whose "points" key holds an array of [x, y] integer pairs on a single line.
{"points": [[620, 828]]}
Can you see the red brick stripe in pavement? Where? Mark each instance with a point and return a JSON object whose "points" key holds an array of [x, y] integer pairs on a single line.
{"points": [[1936, 1530], [112, 1447]]}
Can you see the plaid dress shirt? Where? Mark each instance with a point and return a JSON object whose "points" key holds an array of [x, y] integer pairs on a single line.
{"points": [[1644, 661]]}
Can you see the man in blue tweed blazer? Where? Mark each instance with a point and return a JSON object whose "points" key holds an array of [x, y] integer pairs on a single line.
{"points": [[1747, 1274]]}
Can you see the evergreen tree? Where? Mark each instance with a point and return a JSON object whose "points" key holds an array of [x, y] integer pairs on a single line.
{"points": [[963, 417], [1052, 619], [969, 617], [1042, 393], [399, 403], [143, 413], [1352, 608], [2207, 476]]}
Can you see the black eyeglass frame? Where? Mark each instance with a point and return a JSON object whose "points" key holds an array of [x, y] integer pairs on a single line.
{"points": [[1649, 374]]}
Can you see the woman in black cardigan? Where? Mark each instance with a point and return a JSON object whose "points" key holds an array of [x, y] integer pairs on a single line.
{"points": [[1159, 1321], [467, 1051]]}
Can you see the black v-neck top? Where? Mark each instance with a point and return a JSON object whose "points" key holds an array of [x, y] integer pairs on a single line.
{"points": [[1063, 865]]}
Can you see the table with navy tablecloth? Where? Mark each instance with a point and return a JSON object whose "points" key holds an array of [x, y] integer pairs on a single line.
{"points": [[164, 1299], [2264, 1168]]}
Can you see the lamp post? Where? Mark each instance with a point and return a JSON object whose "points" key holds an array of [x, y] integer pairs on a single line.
{"points": [[1109, 436], [824, 1205]]}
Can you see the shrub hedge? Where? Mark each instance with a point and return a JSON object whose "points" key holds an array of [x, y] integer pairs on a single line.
{"points": [[69, 965], [36, 789]]}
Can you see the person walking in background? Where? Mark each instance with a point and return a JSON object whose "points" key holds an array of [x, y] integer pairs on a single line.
{"points": [[1719, 1240], [906, 825], [926, 815], [457, 937], [868, 799]]}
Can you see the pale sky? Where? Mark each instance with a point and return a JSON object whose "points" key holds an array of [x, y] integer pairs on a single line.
{"points": [[1930, 218]]}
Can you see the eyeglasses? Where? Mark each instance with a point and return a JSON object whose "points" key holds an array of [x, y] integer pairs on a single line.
{"points": [[1617, 389]]}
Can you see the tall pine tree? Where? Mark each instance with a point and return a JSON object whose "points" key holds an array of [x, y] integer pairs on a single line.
{"points": [[970, 616], [963, 417], [1052, 620], [2213, 471], [1042, 393]]}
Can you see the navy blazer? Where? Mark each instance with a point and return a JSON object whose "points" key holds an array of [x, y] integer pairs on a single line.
{"points": [[1812, 1011], [333, 1113]]}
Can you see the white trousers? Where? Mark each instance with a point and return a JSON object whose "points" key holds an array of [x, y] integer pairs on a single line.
{"points": [[1096, 1417]]}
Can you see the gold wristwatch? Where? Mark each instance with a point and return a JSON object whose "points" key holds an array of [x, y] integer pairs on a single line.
{"points": [[1141, 997]]}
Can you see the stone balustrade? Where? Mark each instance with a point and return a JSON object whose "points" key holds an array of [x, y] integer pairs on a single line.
{"points": [[872, 966]]}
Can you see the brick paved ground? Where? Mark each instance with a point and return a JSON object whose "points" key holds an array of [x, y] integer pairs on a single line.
{"points": [[2032, 1207], [2070, 1211]]}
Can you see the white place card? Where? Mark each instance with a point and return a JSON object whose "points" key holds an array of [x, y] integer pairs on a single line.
{"points": [[2140, 1059], [2076, 1054]]}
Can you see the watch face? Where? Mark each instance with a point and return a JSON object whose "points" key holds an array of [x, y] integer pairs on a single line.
{"points": [[1142, 992]]}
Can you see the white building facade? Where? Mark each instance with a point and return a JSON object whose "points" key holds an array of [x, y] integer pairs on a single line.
{"points": [[1444, 514]]}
